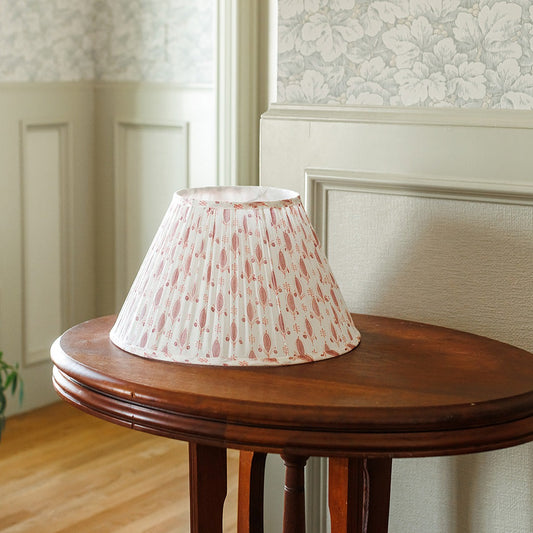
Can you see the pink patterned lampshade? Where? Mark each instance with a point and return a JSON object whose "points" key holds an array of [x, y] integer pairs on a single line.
{"points": [[235, 276]]}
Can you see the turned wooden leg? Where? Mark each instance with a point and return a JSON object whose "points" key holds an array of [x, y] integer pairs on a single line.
{"points": [[251, 491], [208, 485], [294, 500], [359, 494]]}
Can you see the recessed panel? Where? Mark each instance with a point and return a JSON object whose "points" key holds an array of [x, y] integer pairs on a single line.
{"points": [[457, 263], [152, 166], [42, 247]]}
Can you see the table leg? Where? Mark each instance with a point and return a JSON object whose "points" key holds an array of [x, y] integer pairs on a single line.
{"points": [[294, 499], [208, 486], [251, 491], [359, 494]]}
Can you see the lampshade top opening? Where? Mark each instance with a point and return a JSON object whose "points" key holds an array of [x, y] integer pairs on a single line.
{"points": [[238, 197]]}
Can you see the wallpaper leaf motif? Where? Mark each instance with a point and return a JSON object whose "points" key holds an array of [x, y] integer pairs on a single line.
{"points": [[436, 53], [120, 40]]}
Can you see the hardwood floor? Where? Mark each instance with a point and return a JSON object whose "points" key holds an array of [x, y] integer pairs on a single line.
{"points": [[62, 470]]}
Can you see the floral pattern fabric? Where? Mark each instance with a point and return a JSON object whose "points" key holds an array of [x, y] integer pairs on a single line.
{"points": [[118, 40], [436, 53]]}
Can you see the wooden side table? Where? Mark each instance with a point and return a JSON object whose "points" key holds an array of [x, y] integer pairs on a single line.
{"points": [[409, 390]]}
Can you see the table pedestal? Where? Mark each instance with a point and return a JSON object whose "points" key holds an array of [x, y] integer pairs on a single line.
{"points": [[359, 492], [208, 487]]}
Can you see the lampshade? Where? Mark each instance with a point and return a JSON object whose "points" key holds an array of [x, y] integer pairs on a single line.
{"points": [[235, 276]]}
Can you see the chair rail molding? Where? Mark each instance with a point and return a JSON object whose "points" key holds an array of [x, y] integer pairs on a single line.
{"points": [[497, 118]]}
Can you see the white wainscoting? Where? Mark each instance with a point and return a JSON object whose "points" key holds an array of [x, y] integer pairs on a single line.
{"points": [[151, 140], [46, 220], [87, 172], [151, 163], [425, 215], [46, 230]]}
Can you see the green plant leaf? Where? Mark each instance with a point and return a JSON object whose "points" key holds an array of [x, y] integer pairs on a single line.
{"points": [[11, 377], [3, 402], [14, 383], [9, 380]]}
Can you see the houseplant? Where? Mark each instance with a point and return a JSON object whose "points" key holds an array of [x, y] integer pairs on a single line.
{"points": [[10, 380]]}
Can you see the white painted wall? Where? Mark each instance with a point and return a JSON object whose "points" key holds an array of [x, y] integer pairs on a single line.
{"points": [[425, 215]]}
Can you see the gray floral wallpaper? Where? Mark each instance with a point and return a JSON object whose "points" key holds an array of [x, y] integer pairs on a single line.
{"points": [[155, 40], [46, 40], [445, 53], [119, 40]]}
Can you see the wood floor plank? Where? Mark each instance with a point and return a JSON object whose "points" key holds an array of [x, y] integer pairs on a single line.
{"points": [[63, 470]]}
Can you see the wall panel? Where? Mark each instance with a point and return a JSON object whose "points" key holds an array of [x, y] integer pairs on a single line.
{"points": [[151, 164], [426, 216], [151, 139], [46, 224], [46, 261]]}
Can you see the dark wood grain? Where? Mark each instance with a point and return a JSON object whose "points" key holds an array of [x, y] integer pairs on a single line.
{"points": [[359, 494], [294, 494], [251, 492], [409, 389], [207, 488]]}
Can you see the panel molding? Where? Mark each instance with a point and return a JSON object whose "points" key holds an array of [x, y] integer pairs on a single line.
{"points": [[319, 182], [491, 118], [121, 128], [65, 203]]}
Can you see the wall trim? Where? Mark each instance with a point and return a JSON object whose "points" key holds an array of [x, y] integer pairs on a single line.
{"points": [[64, 129], [17, 86], [91, 85], [491, 118], [151, 85], [237, 90], [318, 183]]}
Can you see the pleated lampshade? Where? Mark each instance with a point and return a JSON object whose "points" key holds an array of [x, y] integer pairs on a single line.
{"points": [[235, 276]]}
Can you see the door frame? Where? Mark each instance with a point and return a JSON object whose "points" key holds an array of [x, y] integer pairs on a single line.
{"points": [[245, 79]]}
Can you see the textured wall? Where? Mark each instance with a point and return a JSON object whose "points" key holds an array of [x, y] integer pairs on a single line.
{"points": [[460, 53], [460, 264], [130, 40]]}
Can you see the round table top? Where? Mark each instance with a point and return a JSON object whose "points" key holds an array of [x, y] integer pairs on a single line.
{"points": [[408, 389]]}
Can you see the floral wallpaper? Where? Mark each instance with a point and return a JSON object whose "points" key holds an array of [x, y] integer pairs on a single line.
{"points": [[130, 40], [46, 40], [437, 53], [155, 40]]}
